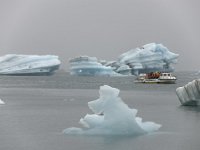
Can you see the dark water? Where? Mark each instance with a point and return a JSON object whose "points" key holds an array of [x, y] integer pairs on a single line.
{"points": [[39, 108]]}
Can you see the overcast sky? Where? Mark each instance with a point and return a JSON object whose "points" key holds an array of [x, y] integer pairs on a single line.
{"points": [[101, 28]]}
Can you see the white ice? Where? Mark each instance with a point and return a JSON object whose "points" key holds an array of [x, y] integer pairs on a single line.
{"points": [[124, 69], [85, 65], [190, 93], [1, 102], [112, 117], [13, 63], [151, 57]]}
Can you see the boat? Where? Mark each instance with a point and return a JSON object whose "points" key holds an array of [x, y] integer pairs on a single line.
{"points": [[156, 77]]}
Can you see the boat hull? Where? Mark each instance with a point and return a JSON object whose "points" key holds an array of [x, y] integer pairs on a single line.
{"points": [[157, 81], [167, 81]]}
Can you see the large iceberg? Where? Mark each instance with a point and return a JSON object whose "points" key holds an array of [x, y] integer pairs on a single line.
{"points": [[112, 117], [190, 93], [88, 66], [151, 57], [14, 64]]}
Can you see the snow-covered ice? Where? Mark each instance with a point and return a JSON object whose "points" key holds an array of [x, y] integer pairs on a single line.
{"points": [[112, 117], [13, 64], [190, 93]]}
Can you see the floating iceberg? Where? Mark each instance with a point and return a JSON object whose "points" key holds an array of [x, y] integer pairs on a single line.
{"points": [[151, 57], [1, 102], [88, 66], [190, 93], [124, 69], [112, 117], [13, 64]]}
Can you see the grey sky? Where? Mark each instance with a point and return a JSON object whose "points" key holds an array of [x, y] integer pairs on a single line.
{"points": [[102, 28]]}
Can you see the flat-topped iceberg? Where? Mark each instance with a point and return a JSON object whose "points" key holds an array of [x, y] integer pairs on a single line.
{"points": [[112, 117], [190, 93], [151, 57], [14, 64], [88, 66]]}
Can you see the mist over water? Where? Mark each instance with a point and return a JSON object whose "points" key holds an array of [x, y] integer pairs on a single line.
{"points": [[39, 108]]}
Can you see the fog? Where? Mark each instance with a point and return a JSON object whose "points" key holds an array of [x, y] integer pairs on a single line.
{"points": [[102, 28]]}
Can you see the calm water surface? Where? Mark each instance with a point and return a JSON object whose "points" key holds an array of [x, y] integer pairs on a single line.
{"points": [[39, 108]]}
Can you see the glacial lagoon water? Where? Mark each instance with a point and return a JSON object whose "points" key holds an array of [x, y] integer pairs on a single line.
{"points": [[38, 108]]}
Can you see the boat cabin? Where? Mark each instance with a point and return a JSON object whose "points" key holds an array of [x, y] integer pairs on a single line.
{"points": [[166, 74]]}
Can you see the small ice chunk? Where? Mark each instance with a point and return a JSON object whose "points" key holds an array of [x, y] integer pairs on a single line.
{"points": [[1, 102]]}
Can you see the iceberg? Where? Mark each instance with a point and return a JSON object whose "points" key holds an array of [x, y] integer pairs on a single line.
{"points": [[111, 117], [13, 64], [189, 95], [124, 70], [151, 57], [88, 66], [1, 102]]}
